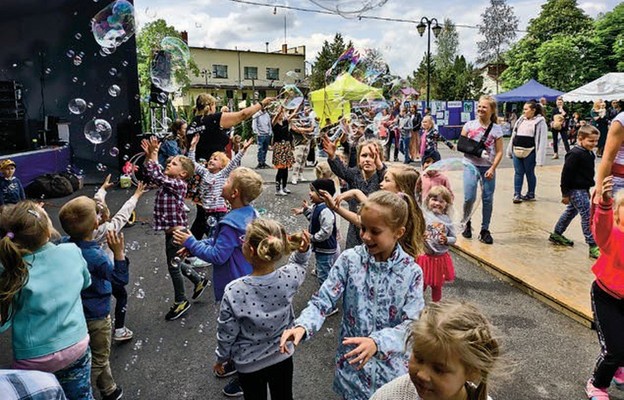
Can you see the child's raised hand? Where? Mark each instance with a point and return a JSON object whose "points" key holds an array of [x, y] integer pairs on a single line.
{"points": [[140, 190], [351, 194], [107, 183], [375, 152], [180, 236], [443, 239], [194, 141], [305, 242], [607, 189], [145, 145], [291, 335], [299, 210], [154, 144], [116, 244], [247, 144], [329, 147], [328, 199], [364, 351]]}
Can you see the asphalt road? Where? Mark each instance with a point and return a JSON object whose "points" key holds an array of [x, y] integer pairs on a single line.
{"points": [[547, 355]]}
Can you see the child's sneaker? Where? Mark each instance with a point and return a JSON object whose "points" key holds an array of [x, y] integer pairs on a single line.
{"points": [[229, 369], [122, 334], [618, 378], [116, 395], [594, 252], [199, 288], [177, 309], [594, 393], [560, 239], [233, 388]]}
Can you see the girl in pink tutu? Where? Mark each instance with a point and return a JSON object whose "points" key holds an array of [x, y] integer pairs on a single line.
{"points": [[436, 263]]}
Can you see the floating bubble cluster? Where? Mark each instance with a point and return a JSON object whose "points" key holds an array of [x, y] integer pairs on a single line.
{"points": [[113, 25], [98, 131]]}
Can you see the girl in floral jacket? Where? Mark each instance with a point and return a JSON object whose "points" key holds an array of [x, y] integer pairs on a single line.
{"points": [[382, 292]]}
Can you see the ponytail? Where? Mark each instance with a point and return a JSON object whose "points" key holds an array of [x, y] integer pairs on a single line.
{"points": [[13, 278], [414, 238], [270, 241]]}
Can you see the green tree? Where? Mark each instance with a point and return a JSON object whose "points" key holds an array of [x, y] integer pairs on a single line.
{"points": [[610, 35], [148, 41], [557, 18], [325, 59], [498, 28], [447, 45]]}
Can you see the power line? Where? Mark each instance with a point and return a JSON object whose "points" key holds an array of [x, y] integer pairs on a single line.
{"points": [[359, 17]]}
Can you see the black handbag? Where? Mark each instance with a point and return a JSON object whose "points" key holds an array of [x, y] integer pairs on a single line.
{"points": [[472, 147]]}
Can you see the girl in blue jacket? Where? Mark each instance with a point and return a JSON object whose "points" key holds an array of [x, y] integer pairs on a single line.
{"points": [[48, 336], [382, 292]]}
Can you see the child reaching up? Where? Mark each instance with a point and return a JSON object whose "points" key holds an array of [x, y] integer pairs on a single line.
{"points": [[169, 216], [213, 177], [453, 354], [436, 262], [47, 335], [250, 323], [116, 223], [79, 219], [607, 291], [224, 251], [381, 289]]}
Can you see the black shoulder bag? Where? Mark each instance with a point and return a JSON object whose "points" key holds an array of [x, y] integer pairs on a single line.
{"points": [[472, 147]]}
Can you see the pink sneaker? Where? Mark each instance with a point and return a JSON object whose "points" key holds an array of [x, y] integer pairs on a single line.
{"points": [[594, 393], [618, 378]]}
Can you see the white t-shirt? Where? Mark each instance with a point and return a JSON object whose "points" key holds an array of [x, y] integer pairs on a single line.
{"points": [[619, 157], [475, 132]]}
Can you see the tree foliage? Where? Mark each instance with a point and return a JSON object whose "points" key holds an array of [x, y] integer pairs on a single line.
{"points": [[329, 53], [559, 17], [447, 45], [498, 28], [610, 34]]}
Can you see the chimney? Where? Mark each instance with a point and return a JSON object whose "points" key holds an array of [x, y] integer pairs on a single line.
{"points": [[184, 35], [285, 48], [267, 46]]}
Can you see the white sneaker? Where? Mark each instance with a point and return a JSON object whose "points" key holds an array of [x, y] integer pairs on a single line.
{"points": [[294, 181], [122, 334], [198, 263], [281, 193], [286, 190]]}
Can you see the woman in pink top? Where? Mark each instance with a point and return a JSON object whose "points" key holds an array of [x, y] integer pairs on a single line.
{"points": [[607, 291], [613, 155]]}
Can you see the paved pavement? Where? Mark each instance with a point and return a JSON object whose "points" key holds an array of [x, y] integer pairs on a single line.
{"points": [[548, 355]]}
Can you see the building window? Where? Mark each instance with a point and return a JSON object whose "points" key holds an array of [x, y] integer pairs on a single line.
{"points": [[251, 72], [229, 94], [298, 70], [262, 94], [272, 74], [219, 71]]}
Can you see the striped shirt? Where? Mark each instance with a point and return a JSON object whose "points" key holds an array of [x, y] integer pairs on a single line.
{"points": [[211, 184], [169, 203]]}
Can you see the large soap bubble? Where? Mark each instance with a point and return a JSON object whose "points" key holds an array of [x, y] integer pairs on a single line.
{"points": [[454, 172], [77, 106], [114, 24], [169, 67], [289, 97], [349, 8], [98, 131]]}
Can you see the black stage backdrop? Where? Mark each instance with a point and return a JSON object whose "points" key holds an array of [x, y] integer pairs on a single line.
{"points": [[41, 39]]}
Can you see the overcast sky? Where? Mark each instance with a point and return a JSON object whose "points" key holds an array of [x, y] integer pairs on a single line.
{"points": [[228, 24]]}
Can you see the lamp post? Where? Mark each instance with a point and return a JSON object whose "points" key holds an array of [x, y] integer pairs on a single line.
{"points": [[426, 23]]}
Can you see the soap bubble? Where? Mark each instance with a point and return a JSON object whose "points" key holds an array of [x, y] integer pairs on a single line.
{"points": [[101, 167], [98, 131], [114, 24], [134, 245], [89, 105], [162, 97], [112, 71], [106, 106], [349, 8], [77, 60], [77, 106], [78, 36], [211, 221], [126, 157], [175, 262], [291, 77], [70, 54], [127, 146], [124, 63], [140, 293], [75, 79], [48, 71], [456, 170], [114, 90], [150, 12], [114, 152], [170, 65]]}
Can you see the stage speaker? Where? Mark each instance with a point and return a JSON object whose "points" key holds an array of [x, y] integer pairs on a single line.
{"points": [[50, 129]]}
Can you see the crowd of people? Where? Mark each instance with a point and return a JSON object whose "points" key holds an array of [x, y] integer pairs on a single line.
{"points": [[396, 246]]}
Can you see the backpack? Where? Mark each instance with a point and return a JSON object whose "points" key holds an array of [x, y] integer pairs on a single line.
{"points": [[50, 186]]}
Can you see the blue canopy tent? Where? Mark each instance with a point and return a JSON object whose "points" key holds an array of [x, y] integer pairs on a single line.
{"points": [[529, 91]]}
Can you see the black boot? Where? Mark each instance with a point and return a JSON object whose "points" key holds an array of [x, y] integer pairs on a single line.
{"points": [[467, 233]]}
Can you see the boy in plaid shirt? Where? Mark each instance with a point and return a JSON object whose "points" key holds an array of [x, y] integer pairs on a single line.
{"points": [[170, 215]]}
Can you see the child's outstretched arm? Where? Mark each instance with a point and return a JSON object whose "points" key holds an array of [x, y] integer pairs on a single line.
{"points": [[334, 205], [125, 212], [100, 195], [216, 251], [602, 223], [119, 274]]}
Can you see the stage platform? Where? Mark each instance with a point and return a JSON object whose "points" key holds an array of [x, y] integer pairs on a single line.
{"points": [[31, 164], [521, 253]]}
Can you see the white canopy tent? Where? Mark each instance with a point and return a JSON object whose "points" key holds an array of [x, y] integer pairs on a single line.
{"points": [[608, 87]]}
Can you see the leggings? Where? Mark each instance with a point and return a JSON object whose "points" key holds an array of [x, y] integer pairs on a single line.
{"points": [[281, 178], [121, 305], [198, 229], [277, 376], [564, 139]]}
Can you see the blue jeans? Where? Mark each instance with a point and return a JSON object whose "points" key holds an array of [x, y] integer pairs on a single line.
{"points": [[324, 263], [405, 140], [487, 195], [75, 379], [524, 167], [263, 146], [579, 204]]}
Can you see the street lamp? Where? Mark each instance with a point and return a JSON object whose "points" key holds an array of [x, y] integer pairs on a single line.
{"points": [[426, 23]]}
